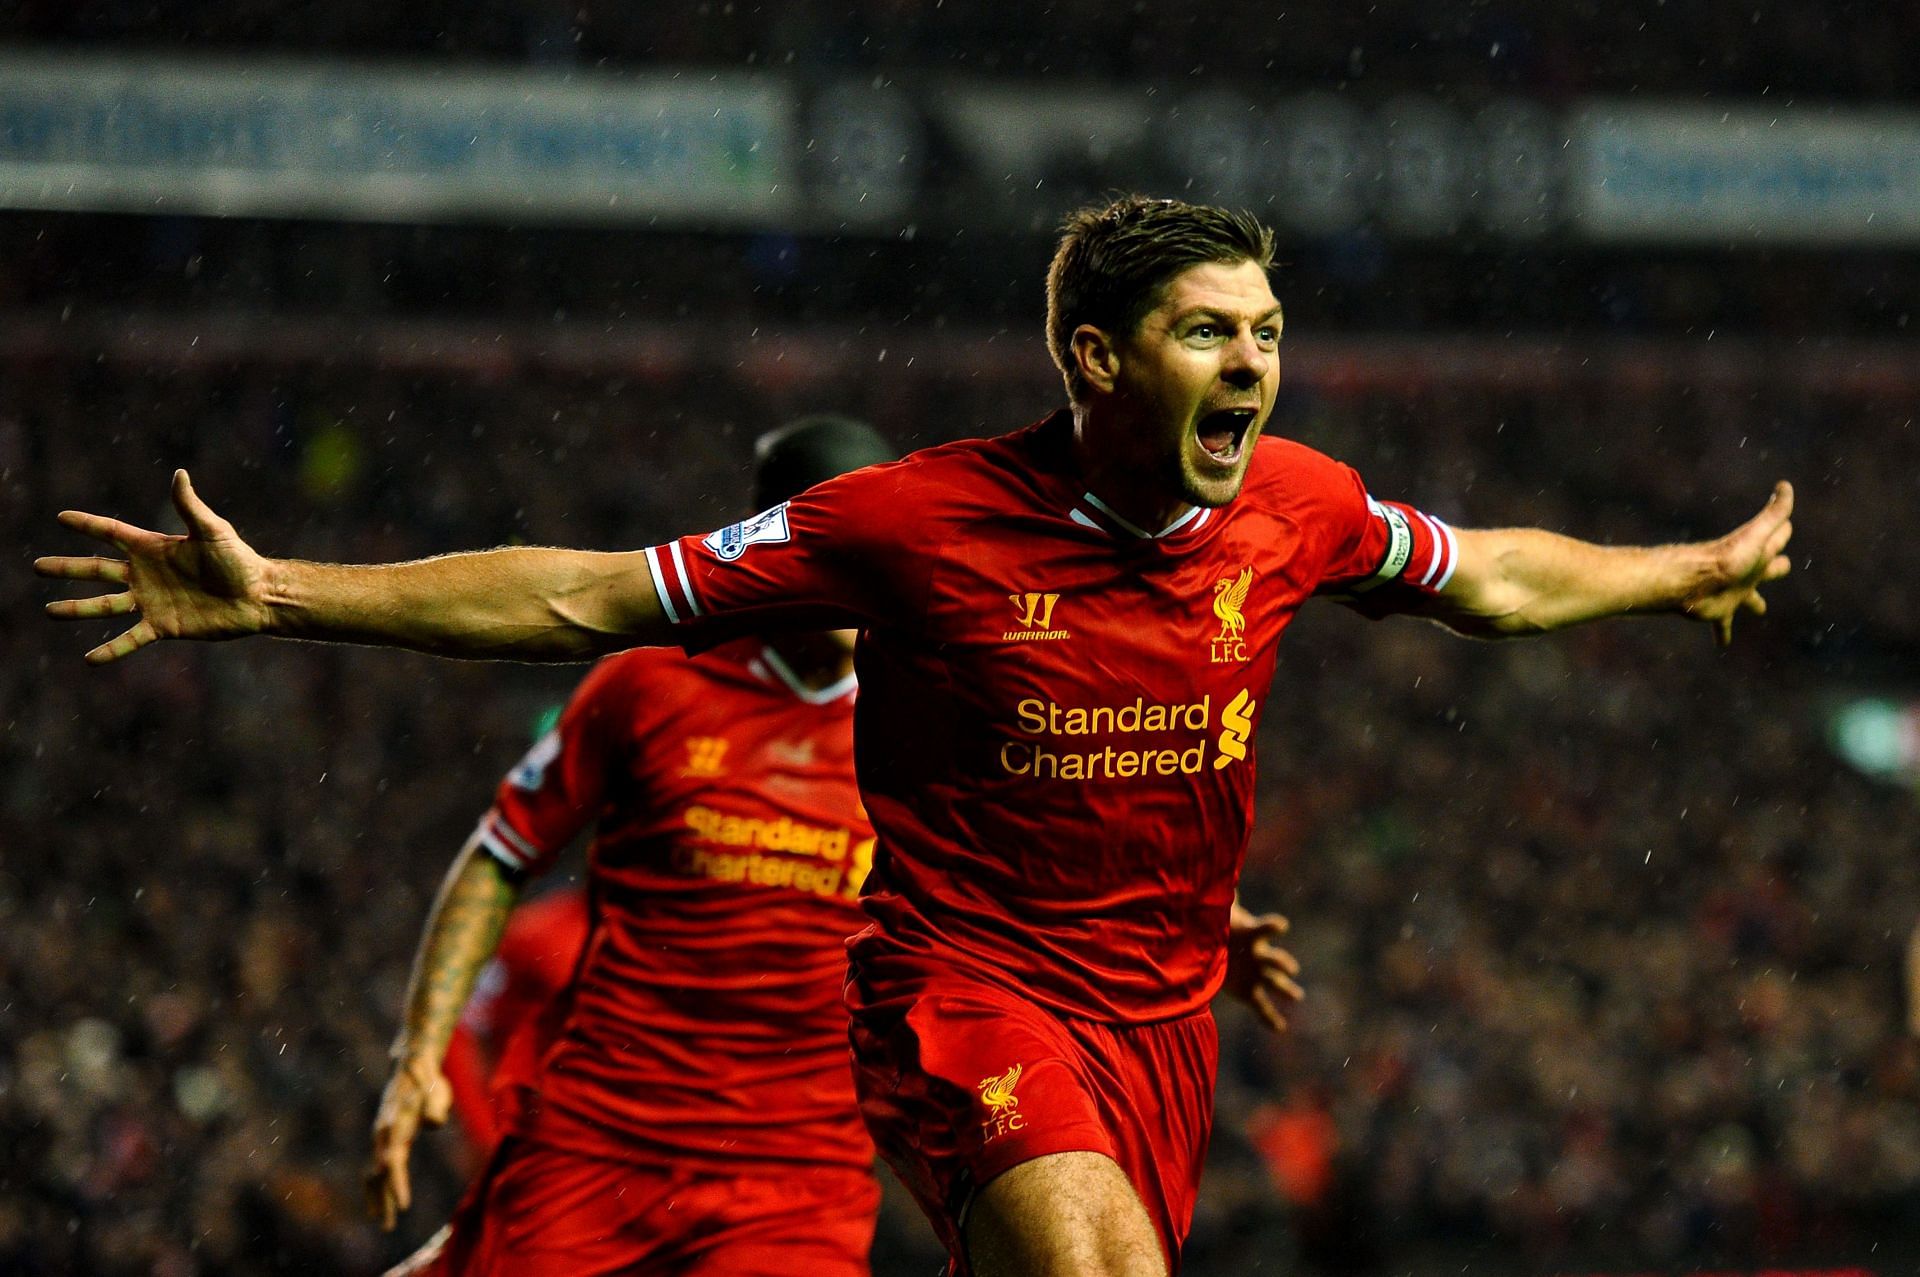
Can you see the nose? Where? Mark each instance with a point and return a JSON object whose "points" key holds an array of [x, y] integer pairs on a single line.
{"points": [[1247, 362]]}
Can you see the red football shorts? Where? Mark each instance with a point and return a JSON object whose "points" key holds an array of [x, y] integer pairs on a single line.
{"points": [[538, 1211], [960, 1080]]}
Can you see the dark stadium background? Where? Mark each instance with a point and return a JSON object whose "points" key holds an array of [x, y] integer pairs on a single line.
{"points": [[1602, 934]]}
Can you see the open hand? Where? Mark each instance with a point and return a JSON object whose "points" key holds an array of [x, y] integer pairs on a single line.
{"points": [[417, 1094], [208, 584], [1259, 971], [1744, 560]]}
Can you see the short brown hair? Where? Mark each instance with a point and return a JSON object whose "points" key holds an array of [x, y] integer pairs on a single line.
{"points": [[1115, 261]]}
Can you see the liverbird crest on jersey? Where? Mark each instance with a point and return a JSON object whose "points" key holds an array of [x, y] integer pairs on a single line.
{"points": [[997, 1092], [1229, 598], [1002, 1105]]}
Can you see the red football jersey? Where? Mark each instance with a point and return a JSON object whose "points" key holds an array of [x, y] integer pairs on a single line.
{"points": [[1058, 708], [537, 955], [706, 1019]]}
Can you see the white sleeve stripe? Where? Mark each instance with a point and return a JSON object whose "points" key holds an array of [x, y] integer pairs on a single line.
{"points": [[1453, 557], [512, 836], [489, 839], [686, 586], [660, 584], [1439, 548]]}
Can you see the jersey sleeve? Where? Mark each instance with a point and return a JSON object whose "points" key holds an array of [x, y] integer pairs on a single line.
{"points": [[847, 554], [1379, 551], [557, 788]]}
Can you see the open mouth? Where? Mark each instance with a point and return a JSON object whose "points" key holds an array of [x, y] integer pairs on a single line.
{"points": [[1223, 432]]}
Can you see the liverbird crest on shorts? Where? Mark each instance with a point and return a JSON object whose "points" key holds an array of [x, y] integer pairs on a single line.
{"points": [[997, 1092]]}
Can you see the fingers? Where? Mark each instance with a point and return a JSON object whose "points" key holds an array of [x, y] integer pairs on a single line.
{"points": [[1772, 522], [200, 519], [65, 568], [399, 1183], [1268, 1010], [389, 1186], [91, 609], [1778, 509], [398, 1178], [389, 1192], [113, 571], [1777, 567], [1272, 957], [1780, 504], [417, 1093], [126, 645], [1278, 970], [1267, 928], [100, 527], [1275, 986], [380, 1203]]}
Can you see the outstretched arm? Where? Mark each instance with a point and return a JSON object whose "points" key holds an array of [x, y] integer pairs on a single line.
{"points": [[526, 604], [1520, 581], [462, 934]]}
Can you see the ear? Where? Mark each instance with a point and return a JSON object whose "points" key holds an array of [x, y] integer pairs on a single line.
{"points": [[1097, 358]]}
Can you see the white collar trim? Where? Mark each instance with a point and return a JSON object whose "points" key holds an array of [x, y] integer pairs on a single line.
{"points": [[1193, 513], [812, 695]]}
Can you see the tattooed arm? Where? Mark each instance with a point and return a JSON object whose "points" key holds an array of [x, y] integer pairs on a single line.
{"points": [[462, 933]]}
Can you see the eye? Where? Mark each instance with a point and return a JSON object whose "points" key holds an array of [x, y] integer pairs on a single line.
{"points": [[1268, 335], [1205, 332]]}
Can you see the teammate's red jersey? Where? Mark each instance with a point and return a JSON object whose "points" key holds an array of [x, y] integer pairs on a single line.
{"points": [[537, 955], [706, 1021], [1057, 707]]}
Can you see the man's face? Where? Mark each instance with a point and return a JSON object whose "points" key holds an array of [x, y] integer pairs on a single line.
{"points": [[1196, 381]]}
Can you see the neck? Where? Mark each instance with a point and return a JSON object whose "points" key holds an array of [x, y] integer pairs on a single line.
{"points": [[817, 660], [1124, 484]]}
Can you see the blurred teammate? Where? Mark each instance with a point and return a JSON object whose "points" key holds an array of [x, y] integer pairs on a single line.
{"points": [[684, 1105], [1068, 636], [538, 952]]}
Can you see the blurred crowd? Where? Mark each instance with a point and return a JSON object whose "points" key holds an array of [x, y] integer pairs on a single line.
{"points": [[1804, 47], [1601, 945]]}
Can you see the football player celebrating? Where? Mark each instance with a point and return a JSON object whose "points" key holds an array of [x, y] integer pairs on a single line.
{"points": [[1067, 636]]}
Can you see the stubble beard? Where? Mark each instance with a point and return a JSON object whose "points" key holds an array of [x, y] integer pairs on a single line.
{"points": [[1210, 494], [1213, 491]]}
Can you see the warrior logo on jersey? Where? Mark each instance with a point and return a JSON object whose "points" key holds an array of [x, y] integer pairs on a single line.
{"points": [[703, 755], [1003, 1106], [1034, 612], [1229, 598], [769, 527]]}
